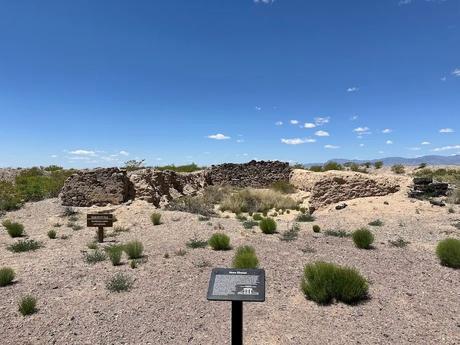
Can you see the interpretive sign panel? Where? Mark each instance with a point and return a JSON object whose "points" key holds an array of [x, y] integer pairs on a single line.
{"points": [[99, 220], [231, 284]]}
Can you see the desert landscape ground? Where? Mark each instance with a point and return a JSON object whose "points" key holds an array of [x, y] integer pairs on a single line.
{"points": [[412, 298]]}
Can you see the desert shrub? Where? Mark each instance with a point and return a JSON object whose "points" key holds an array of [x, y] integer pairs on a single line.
{"points": [[332, 166], [24, 246], [9, 197], [305, 217], [376, 222], [181, 168], [363, 238], [316, 228], [324, 282], [133, 264], [14, 229], [249, 224], [454, 197], [119, 228], [245, 257], [451, 210], [257, 216], [378, 164], [196, 243], [267, 225], [219, 241], [448, 252], [241, 217], [134, 249], [291, 233], [95, 256], [52, 234], [115, 252], [76, 227], [451, 175], [192, 204], [355, 167], [27, 305], [203, 218], [283, 187], [6, 276], [69, 212], [180, 252], [337, 233], [256, 200], [73, 218], [119, 283], [398, 169], [399, 242], [92, 245], [155, 218], [316, 168], [37, 184], [215, 194], [134, 164]]}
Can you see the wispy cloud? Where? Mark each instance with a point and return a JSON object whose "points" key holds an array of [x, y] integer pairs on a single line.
{"points": [[456, 72], [81, 152], [319, 121], [218, 136], [54, 156], [361, 145], [354, 118], [264, 1], [404, 2], [387, 130], [446, 130], [240, 141], [331, 146], [362, 130], [414, 148], [443, 78], [294, 122], [425, 143], [322, 133], [278, 123], [124, 153], [353, 89], [258, 108], [389, 142], [309, 125], [297, 141], [446, 148]]}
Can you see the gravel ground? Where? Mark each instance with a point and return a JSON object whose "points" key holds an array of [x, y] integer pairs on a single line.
{"points": [[413, 299]]}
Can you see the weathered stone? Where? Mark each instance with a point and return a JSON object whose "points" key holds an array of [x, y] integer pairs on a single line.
{"points": [[99, 187], [341, 206], [252, 174], [424, 188]]}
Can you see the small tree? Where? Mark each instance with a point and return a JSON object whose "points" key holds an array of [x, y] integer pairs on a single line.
{"points": [[378, 164], [134, 164]]}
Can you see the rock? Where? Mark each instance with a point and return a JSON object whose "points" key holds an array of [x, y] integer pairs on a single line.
{"points": [[99, 187], [161, 186], [334, 186], [424, 188], [252, 174], [341, 206], [438, 203]]}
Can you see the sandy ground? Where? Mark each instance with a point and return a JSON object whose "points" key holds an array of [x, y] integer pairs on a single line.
{"points": [[414, 300]]}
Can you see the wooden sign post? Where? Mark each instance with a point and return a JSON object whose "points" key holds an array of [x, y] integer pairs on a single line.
{"points": [[237, 286], [99, 220]]}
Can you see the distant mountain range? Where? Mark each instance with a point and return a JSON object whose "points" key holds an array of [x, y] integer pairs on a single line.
{"points": [[430, 160]]}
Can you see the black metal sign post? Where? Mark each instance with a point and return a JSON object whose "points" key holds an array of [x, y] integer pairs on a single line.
{"points": [[237, 286], [99, 220]]}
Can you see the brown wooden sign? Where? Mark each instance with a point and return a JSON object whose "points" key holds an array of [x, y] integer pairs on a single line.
{"points": [[99, 220]]}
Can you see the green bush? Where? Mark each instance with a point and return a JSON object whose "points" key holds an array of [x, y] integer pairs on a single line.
{"points": [[193, 204], [14, 229], [376, 222], [134, 249], [316, 168], [181, 168], [24, 246], [283, 187], [316, 228], [245, 257], [115, 252], [305, 217], [119, 283], [291, 233], [398, 169], [27, 305], [219, 241], [363, 238], [95, 256], [6, 276], [268, 225], [257, 216], [155, 218], [249, 224], [378, 164], [9, 197], [52, 234], [196, 243], [324, 282], [332, 166], [448, 252]]}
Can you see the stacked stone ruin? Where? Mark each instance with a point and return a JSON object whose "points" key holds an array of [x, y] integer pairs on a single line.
{"points": [[425, 188]]}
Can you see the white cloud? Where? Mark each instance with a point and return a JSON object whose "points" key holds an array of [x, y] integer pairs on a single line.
{"points": [[387, 130], [456, 72], [404, 2], [446, 148], [389, 142], [124, 153], [279, 123], [319, 121], [322, 133], [353, 89], [53, 156], [425, 143], [297, 141], [294, 122], [354, 117], [309, 125], [258, 108], [83, 153], [361, 145], [331, 147], [446, 130], [240, 140], [362, 130], [218, 136]]}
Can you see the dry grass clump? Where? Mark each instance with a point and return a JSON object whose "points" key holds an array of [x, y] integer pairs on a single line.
{"points": [[155, 217], [376, 222], [448, 251], [14, 229], [119, 283], [268, 225], [95, 257], [245, 257], [283, 187], [256, 200], [52, 234], [363, 238], [6, 276], [27, 305], [115, 252], [291, 234], [134, 249], [219, 241], [316, 228], [195, 243], [24, 246], [193, 204], [324, 282], [305, 217], [336, 233]]}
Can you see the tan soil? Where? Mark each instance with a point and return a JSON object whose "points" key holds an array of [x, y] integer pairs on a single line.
{"points": [[414, 300]]}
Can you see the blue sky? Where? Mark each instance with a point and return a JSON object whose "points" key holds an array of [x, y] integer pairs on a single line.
{"points": [[95, 83]]}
